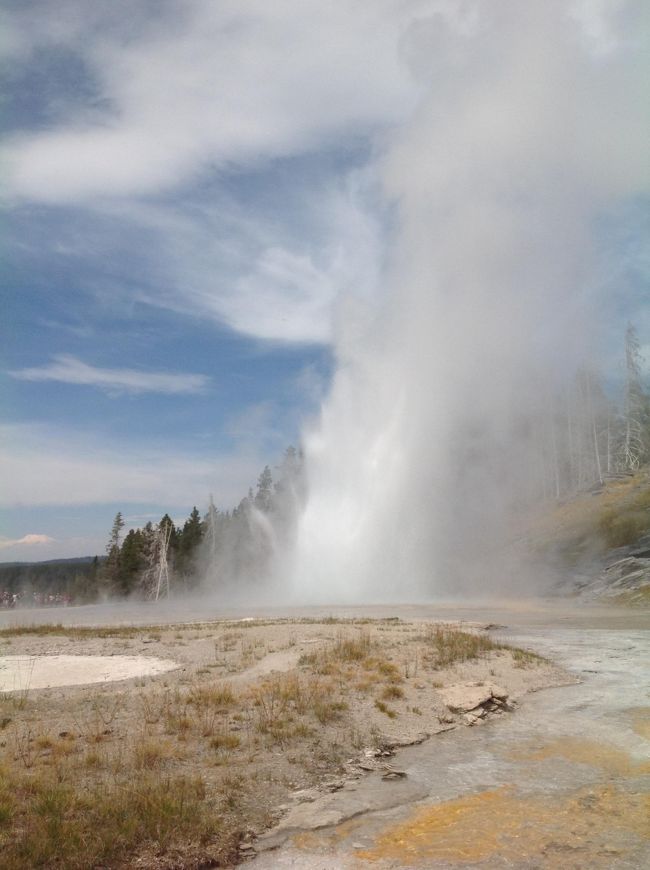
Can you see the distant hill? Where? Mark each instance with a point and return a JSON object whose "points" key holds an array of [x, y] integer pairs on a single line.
{"points": [[77, 560]]}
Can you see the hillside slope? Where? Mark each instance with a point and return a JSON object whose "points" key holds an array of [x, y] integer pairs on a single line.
{"points": [[602, 538]]}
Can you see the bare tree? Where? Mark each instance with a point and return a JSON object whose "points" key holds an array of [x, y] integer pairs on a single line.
{"points": [[632, 447]]}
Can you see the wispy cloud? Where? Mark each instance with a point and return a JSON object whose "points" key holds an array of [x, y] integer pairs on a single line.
{"points": [[70, 370], [26, 540], [206, 84], [270, 274]]}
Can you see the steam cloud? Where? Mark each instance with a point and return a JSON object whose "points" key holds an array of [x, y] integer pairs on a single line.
{"points": [[424, 453]]}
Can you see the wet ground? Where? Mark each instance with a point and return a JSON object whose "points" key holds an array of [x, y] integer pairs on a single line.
{"points": [[528, 612], [564, 782]]}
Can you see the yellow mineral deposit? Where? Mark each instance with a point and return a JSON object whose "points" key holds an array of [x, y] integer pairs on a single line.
{"points": [[580, 751], [640, 719], [594, 825]]}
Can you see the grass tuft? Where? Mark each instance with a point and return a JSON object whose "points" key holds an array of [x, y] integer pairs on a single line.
{"points": [[61, 826], [384, 708]]}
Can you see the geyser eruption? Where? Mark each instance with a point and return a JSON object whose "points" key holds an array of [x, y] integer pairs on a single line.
{"points": [[426, 451]]}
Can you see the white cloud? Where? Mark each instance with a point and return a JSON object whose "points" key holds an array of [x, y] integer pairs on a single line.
{"points": [[203, 87], [52, 548], [27, 540], [213, 84], [57, 466], [70, 370], [271, 274]]}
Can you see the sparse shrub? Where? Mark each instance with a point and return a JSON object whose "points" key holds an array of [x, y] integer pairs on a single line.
{"points": [[389, 671], [384, 708], [392, 693], [622, 529], [449, 645], [353, 649], [327, 711], [104, 824], [523, 658], [149, 753], [224, 740], [345, 650], [220, 695]]}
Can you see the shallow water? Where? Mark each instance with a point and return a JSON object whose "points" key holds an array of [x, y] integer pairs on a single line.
{"points": [[523, 612], [564, 782]]}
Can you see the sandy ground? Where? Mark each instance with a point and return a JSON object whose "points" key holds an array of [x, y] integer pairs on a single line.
{"points": [[244, 652], [301, 720]]}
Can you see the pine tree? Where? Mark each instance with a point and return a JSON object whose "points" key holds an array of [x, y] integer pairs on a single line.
{"points": [[132, 560], [188, 543], [264, 496], [111, 569]]}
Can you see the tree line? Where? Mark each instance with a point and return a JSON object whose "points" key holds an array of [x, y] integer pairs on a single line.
{"points": [[584, 436], [165, 558]]}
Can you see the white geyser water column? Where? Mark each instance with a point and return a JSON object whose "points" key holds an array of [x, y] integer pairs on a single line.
{"points": [[531, 129]]}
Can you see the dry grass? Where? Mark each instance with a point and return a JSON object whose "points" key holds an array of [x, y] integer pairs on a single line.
{"points": [[48, 823], [74, 632], [384, 708], [589, 524], [392, 693], [449, 646], [108, 778], [220, 696]]}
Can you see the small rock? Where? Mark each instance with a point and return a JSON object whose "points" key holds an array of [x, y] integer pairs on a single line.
{"points": [[391, 773]]}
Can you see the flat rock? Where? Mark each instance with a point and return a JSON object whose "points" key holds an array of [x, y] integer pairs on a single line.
{"points": [[352, 800], [463, 697]]}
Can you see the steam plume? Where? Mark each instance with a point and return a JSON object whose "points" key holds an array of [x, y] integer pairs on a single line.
{"points": [[426, 448]]}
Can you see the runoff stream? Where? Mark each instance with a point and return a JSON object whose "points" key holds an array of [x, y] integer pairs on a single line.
{"points": [[563, 782]]}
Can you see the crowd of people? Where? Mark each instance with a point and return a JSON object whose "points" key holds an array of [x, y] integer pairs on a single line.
{"points": [[10, 600]]}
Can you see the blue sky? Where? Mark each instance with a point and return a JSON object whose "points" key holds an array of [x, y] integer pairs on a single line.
{"points": [[188, 193], [191, 198]]}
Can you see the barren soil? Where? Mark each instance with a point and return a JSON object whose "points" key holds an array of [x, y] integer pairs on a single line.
{"points": [[259, 717]]}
